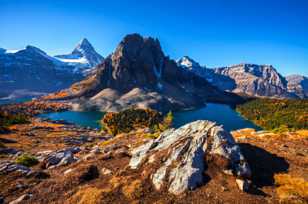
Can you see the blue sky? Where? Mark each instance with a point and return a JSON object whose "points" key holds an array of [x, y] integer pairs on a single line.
{"points": [[213, 32]]}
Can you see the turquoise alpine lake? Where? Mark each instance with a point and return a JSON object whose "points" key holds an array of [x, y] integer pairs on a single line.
{"points": [[82, 118], [221, 114], [4, 101]]}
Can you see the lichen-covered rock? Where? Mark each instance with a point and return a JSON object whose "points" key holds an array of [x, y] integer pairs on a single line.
{"points": [[181, 155], [8, 167], [59, 158]]}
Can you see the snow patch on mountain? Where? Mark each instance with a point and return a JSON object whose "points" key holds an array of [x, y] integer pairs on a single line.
{"points": [[83, 57]]}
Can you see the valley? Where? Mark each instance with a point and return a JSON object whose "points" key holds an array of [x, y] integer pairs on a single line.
{"points": [[140, 127]]}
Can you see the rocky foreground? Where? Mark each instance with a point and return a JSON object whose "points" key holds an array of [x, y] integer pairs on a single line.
{"points": [[197, 163]]}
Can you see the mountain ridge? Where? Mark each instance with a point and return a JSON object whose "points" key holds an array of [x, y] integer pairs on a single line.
{"points": [[244, 78], [32, 69]]}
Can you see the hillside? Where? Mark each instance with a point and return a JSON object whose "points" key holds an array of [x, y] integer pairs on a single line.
{"points": [[276, 114]]}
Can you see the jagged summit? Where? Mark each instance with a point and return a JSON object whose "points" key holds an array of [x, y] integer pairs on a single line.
{"points": [[83, 43], [244, 78], [83, 56], [188, 62]]}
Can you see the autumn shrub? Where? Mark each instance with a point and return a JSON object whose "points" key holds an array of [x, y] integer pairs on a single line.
{"points": [[130, 119], [277, 114], [27, 160], [7, 119]]}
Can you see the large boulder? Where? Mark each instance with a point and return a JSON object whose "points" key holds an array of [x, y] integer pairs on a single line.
{"points": [[179, 156]]}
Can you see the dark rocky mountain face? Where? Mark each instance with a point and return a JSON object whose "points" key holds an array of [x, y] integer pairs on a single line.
{"points": [[33, 70], [298, 85], [246, 79], [138, 73]]}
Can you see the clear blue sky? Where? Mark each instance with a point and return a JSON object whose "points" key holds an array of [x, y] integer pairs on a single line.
{"points": [[213, 32]]}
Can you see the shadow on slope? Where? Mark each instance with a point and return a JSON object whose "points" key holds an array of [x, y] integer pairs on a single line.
{"points": [[264, 165]]}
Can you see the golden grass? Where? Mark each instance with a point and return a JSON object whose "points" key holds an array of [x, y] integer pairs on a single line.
{"points": [[60, 134], [291, 189], [47, 125], [88, 195], [302, 133], [115, 182], [133, 190], [105, 143]]}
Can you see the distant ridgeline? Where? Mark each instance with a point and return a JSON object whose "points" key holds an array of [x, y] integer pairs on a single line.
{"points": [[275, 114]]}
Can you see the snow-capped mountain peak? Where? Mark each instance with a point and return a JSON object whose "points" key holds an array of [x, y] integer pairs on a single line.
{"points": [[187, 62], [83, 46], [83, 57]]}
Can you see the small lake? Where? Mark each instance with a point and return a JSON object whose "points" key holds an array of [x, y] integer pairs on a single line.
{"points": [[84, 119], [14, 100], [222, 114]]}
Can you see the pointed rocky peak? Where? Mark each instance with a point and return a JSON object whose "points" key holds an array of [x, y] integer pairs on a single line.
{"points": [[188, 62], [84, 42], [83, 54], [134, 45], [83, 46], [139, 59]]}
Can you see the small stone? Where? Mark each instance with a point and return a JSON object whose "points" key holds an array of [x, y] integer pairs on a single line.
{"points": [[95, 150], [106, 171], [21, 199], [68, 171], [89, 156], [106, 156], [243, 185], [10, 151], [223, 188], [122, 152]]}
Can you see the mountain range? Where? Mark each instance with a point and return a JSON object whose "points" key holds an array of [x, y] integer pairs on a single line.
{"points": [[139, 74], [138, 65], [250, 79], [31, 69]]}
